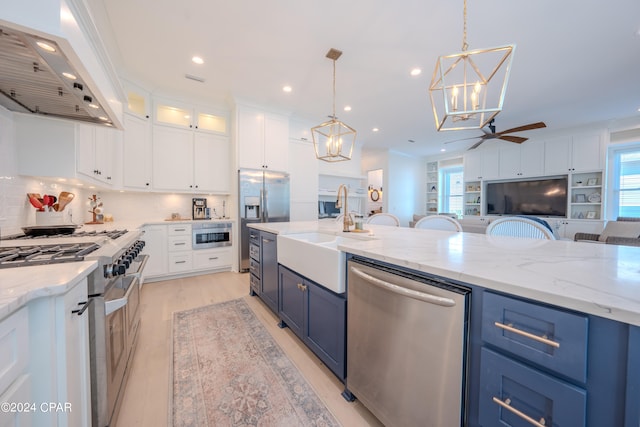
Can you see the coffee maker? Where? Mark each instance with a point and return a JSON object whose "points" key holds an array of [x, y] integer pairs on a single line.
{"points": [[199, 208]]}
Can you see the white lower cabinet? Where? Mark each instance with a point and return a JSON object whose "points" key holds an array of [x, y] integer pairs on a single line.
{"points": [[170, 250], [155, 238], [205, 259], [14, 376], [44, 362]]}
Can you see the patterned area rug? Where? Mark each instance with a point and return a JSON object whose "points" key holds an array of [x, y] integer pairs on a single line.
{"points": [[228, 371]]}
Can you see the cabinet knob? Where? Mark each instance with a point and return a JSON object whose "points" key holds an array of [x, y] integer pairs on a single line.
{"points": [[147, 184]]}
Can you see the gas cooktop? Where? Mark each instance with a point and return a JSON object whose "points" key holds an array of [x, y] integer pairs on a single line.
{"points": [[22, 256], [112, 234]]}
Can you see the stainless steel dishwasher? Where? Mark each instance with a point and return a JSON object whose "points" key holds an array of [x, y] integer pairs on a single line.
{"points": [[406, 345]]}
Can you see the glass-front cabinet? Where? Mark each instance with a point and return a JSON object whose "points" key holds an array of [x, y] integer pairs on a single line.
{"points": [[170, 113]]}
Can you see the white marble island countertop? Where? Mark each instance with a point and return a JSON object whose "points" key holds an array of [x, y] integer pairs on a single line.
{"points": [[603, 280], [20, 285]]}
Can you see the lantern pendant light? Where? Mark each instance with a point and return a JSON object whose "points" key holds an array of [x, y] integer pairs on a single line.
{"points": [[468, 88], [333, 140]]}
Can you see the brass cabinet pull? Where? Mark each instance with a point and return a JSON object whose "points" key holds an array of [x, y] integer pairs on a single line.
{"points": [[543, 340], [302, 287], [507, 405]]}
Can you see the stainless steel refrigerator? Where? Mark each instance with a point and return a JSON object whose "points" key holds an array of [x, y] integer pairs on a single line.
{"points": [[263, 197]]}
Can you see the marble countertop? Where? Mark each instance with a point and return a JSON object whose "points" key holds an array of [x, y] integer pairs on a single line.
{"points": [[20, 285], [603, 280]]}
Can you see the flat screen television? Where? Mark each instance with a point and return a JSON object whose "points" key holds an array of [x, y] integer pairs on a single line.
{"points": [[541, 197]]}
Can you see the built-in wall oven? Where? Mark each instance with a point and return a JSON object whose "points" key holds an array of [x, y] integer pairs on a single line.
{"points": [[211, 235]]}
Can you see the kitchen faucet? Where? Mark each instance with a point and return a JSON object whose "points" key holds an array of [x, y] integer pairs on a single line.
{"points": [[346, 218]]}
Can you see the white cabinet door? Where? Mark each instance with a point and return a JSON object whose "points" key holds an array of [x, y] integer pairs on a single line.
{"points": [[490, 163], [72, 340], [276, 142], [263, 140], [85, 151], [103, 151], [250, 138], [137, 152], [510, 161], [172, 158], [531, 159], [155, 238], [557, 154], [211, 165], [586, 153], [472, 165]]}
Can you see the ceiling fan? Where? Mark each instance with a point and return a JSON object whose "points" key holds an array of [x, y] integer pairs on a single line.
{"points": [[491, 134]]}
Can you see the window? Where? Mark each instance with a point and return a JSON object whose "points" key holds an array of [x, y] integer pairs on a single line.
{"points": [[627, 182], [452, 190]]}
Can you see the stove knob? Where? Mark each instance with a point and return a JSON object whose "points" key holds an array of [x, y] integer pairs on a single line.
{"points": [[125, 261], [120, 270]]}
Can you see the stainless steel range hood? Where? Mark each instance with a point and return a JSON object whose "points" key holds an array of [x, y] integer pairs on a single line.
{"points": [[37, 77]]}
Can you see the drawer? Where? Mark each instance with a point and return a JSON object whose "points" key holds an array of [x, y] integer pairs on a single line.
{"points": [[203, 259], [254, 267], [254, 282], [511, 391], [14, 347], [254, 251], [549, 337], [179, 243], [180, 262], [179, 230], [254, 237]]}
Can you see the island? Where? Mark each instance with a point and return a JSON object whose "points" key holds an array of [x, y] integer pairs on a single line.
{"points": [[589, 292]]}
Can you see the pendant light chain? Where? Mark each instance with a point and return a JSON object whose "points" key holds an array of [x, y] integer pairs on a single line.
{"points": [[465, 45], [334, 90]]}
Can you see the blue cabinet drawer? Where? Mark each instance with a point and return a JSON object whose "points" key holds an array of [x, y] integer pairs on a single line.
{"points": [[548, 337], [515, 395]]}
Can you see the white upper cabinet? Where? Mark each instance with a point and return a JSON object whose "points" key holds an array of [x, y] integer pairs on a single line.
{"points": [[137, 153], [138, 100], [522, 160], [95, 151], [185, 160], [172, 159], [581, 153], [211, 163], [263, 139], [481, 164], [65, 149], [185, 116]]}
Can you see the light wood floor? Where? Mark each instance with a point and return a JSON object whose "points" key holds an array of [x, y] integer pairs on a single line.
{"points": [[146, 395]]}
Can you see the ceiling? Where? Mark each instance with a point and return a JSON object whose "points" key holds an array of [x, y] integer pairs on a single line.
{"points": [[576, 62]]}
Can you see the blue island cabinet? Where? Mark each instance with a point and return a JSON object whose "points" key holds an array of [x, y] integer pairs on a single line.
{"points": [[263, 267], [317, 316], [547, 366]]}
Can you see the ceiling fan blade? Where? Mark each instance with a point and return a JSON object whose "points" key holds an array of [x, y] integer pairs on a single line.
{"points": [[476, 145], [530, 126], [511, 138], [463, 139]]}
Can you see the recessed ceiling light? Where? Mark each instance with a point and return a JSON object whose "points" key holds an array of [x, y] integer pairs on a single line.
{"points": [[46, 46], [443, 149], [103, 118], [347, 108], [69, 76], [287, 88], [375, 129], [416, 71], [197, 60]]}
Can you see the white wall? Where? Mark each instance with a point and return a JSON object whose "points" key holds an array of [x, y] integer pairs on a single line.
{"points": [[403, 182]]}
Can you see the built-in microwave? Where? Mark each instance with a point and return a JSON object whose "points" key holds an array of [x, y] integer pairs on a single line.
{"points": [[211, 235]]}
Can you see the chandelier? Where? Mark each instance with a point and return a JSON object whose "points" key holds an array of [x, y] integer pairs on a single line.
{"points": [[333, 140], [467, 88]]}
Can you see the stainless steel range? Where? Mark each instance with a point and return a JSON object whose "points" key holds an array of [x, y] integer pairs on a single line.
{"points": [[114, 295]]}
